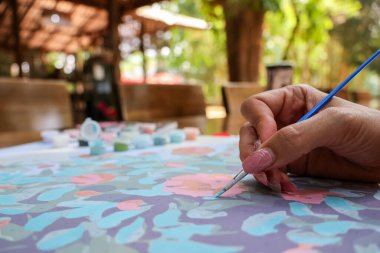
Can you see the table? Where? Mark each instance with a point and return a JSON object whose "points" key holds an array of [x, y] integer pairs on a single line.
{"points": [[158, 200], [230, 124]]}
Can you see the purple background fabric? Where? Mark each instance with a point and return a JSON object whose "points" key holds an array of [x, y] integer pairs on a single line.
{"points": [[156, 200]]}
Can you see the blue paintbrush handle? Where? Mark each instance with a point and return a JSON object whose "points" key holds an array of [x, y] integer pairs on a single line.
{"points": [[313, 111], [324, 101]]}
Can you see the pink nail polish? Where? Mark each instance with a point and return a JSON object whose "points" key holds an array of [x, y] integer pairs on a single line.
{"points": [[258, 161], [288, 187]]}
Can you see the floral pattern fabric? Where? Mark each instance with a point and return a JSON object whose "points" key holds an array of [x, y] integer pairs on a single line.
{"points": [[159, 200]]}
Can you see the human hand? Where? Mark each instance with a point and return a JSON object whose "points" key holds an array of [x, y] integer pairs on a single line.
{"points": [[342, 141]]}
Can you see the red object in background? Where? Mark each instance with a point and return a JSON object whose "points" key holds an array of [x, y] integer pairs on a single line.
{"points": [[108, 111], [222, 134]]}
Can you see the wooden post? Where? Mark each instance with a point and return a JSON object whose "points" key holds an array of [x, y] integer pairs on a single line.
{"points": [[16, 35], [142, 49], [279, 75], [244, 29], [112, 43]]}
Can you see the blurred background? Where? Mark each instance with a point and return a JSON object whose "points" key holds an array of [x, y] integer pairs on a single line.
{"points": [[98, 47]]}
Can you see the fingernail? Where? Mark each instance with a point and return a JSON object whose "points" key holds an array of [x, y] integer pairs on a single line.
{"points": [[276, 187], [288, 187], [262, 178], [258, 161]]}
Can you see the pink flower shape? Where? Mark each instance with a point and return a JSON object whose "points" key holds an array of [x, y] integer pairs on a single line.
{"points": [[309, 196], [302, 248], [202, 185], [4, 222], [192, 151], [92, 179], [130, 204], [175, 164], [86, 193]]}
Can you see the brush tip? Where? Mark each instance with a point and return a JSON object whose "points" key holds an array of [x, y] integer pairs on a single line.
{"points": [[219, 194]]}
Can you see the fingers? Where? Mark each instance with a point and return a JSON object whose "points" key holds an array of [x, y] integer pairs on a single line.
{"points": [[284, 105], [293, 141], [260, 116], [277, 180], [248, 141]]}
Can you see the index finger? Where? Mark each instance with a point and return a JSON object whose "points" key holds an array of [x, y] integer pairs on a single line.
{"points": [[248, 141], [269, 110]]}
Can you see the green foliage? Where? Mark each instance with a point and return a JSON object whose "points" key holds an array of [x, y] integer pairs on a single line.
{"points": [[360, 35], [199, 55], [310, 48], [328, 35]]}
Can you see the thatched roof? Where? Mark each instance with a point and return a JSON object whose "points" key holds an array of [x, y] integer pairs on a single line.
{"points": [[59, 25]]}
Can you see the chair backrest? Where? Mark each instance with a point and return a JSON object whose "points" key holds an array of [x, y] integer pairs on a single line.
{"points": [[363, 97], [27, 104], [235, 93], [147, 102]]}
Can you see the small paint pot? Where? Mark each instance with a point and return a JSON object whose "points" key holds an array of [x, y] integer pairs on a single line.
{"points": [[120, 145], [148, 128], [142, 141], [48, 135], [160, 140], [97, 147], [177, 136], [191, 133], [61, 140]]}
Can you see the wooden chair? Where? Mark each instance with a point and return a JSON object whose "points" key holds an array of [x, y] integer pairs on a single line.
{"points": [[235, 93], [28, 106], [149, 102], [362, 97]]}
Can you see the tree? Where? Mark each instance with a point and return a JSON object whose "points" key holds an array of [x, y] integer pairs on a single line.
{"points": [[360, 35], [244, 32]]}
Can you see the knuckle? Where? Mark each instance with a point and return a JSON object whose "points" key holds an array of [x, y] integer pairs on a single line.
{"points": [[343, 116], [246, 104], [246, 128], [290, 136], [305, 86]]}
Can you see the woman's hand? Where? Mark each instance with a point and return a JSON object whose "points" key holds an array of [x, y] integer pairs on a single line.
{"points": [[342, 141]]}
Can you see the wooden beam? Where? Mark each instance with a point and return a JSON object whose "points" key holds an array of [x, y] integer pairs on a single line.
{"points": [[30, 6], [112, 41], [16, 34], [91, 3], [126, 6], [2, 15], [142, 49], [136, 4]]}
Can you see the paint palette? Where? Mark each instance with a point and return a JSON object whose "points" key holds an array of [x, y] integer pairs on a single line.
{"points": [[158, 200]]}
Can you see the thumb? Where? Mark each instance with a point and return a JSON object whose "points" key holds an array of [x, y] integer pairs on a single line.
{"points": [[293, 141]]}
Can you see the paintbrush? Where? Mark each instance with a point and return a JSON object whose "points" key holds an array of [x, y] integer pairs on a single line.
{"points": [[311, 113]]}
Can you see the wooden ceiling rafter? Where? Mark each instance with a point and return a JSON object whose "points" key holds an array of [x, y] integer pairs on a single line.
{"points": [[88, 21], [2, 14]]}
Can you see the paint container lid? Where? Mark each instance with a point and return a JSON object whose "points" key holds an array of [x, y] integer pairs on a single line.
{"points": [[90, 130]]}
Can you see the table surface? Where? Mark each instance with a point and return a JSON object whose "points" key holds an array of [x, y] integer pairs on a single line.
{"points": [[158, 200], [208, 126]]}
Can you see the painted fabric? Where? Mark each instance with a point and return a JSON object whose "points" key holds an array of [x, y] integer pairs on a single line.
{"points": [[158, 200]]}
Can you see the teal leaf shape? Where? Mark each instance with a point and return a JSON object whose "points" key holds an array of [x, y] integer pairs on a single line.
{"points": [[263, 224], [60, 238], [40, 222], [131, 232]]}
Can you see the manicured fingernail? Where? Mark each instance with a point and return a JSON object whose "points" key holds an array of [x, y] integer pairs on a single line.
{"points": [[288, 187], [258, 161], [262, 178]]}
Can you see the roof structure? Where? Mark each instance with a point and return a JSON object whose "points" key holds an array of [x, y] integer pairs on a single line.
{"points": [[157, 19], [59, 25]]}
